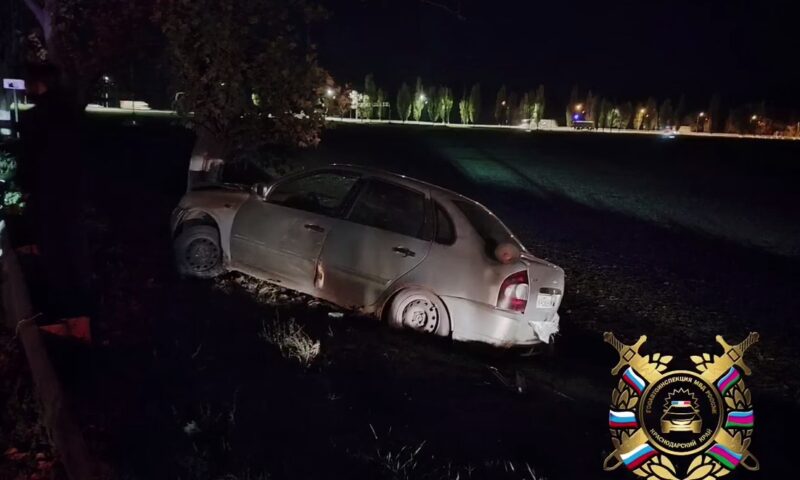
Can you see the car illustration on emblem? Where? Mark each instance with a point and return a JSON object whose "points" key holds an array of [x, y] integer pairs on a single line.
{"points": [[681, 416]]}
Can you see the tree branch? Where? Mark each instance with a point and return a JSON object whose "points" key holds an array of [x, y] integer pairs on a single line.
{"points": [[37, 11], [456, 12], [44, 17]]}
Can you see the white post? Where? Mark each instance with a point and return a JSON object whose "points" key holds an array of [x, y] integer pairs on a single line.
{"points": [[16, 113]]}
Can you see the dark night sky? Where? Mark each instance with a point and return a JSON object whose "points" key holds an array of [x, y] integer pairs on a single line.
{"points": [[623, 49]]}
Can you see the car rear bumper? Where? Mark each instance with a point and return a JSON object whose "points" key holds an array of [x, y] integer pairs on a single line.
{"points": [[478, 322]]}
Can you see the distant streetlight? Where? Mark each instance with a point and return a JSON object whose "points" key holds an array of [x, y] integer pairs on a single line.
{"points": [[754, 118], [329, 92], [643, 111], [579, 107], [503, 103], [701, 115], [422, 97]]}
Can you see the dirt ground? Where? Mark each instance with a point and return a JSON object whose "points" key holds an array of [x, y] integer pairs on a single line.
{"points": [[180, 381]]}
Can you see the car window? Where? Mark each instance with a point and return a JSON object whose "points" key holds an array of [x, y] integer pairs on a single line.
{"points": [[323, 193], [490, 229], [445, 232], [390, 207]]}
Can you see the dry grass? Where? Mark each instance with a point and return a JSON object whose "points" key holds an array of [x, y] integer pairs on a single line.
{"points": [[291, 340], [401, 461]]}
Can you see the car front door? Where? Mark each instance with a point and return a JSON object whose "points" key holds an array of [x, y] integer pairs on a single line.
{"points": [[281, 237], [385, 234]]}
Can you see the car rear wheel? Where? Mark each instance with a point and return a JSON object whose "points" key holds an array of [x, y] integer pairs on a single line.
{"points": [[197, 252], [419, 310]]}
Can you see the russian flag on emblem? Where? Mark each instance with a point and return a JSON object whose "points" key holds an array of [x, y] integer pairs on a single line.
{"points": [[634, 380], [636, 457], [622, 419]]}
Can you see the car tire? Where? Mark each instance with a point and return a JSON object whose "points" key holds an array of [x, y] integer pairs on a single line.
{"points": [[419, 310], [198, 252]]}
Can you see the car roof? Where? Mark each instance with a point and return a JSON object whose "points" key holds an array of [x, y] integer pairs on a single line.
{"points": [[408, 182], [398, 178]]}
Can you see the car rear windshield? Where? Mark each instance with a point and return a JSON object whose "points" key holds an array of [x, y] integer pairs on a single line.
{"points": [[490, 229]]}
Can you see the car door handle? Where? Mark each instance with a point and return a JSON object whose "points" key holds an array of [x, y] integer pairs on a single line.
{"points": [[311, 226], [404, 251]]}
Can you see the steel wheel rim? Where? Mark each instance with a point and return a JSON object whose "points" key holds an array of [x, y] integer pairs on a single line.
{"points": [[202, 254], [420, 314]]}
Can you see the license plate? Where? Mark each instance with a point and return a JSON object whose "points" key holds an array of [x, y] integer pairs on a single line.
{"points": [[546, 301]]}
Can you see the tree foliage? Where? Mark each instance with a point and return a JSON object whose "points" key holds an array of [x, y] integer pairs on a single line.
{"points": [[463, 109], [573, 100], [246, 70], [665, 114], [445, 104], [432, 104], [538, 106], [651, 114], [419, 100], [679, 112], [86, 38], [602, 113], [371, 96], [501, 105], [625, 114], [475, 103], [590, 106], [404, 102], [381, 110]]}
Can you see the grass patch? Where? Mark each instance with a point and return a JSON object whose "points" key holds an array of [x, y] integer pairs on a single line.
{"points": [[290, 338]]}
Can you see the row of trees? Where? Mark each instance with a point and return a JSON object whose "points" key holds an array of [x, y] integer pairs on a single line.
{"points": [[649, 115], [511, 109], [432, 103], [436, 104]]}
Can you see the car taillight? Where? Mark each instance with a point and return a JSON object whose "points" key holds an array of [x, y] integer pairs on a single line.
{"points": [[514, 292]]}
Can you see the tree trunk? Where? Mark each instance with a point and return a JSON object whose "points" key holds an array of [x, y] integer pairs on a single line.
{"points": [[207, 161]]}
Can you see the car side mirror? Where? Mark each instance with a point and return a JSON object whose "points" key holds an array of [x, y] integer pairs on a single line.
{"points": [[261, 190]]}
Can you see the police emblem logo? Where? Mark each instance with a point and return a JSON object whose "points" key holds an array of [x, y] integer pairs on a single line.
{"points": [[681, 424]]}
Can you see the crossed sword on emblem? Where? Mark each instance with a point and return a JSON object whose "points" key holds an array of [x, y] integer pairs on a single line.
{"points": [[629, 356]]}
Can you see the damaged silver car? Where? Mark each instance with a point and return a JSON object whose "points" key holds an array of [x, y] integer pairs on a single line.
{"points": [[417, 255]]}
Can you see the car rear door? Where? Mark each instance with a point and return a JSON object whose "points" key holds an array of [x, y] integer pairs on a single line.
{"points": [[281, 236], [385, 234]]}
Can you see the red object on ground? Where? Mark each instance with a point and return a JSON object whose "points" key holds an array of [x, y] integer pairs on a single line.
{"points": [[76, 327]]}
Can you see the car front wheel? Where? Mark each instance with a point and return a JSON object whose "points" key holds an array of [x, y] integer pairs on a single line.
{"points": [[197, 252], [419, 310]]}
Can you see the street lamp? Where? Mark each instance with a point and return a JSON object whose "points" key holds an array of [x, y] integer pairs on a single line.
{"points": [[699, 116], [579, 107], [329, 92], [754, 118]]}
